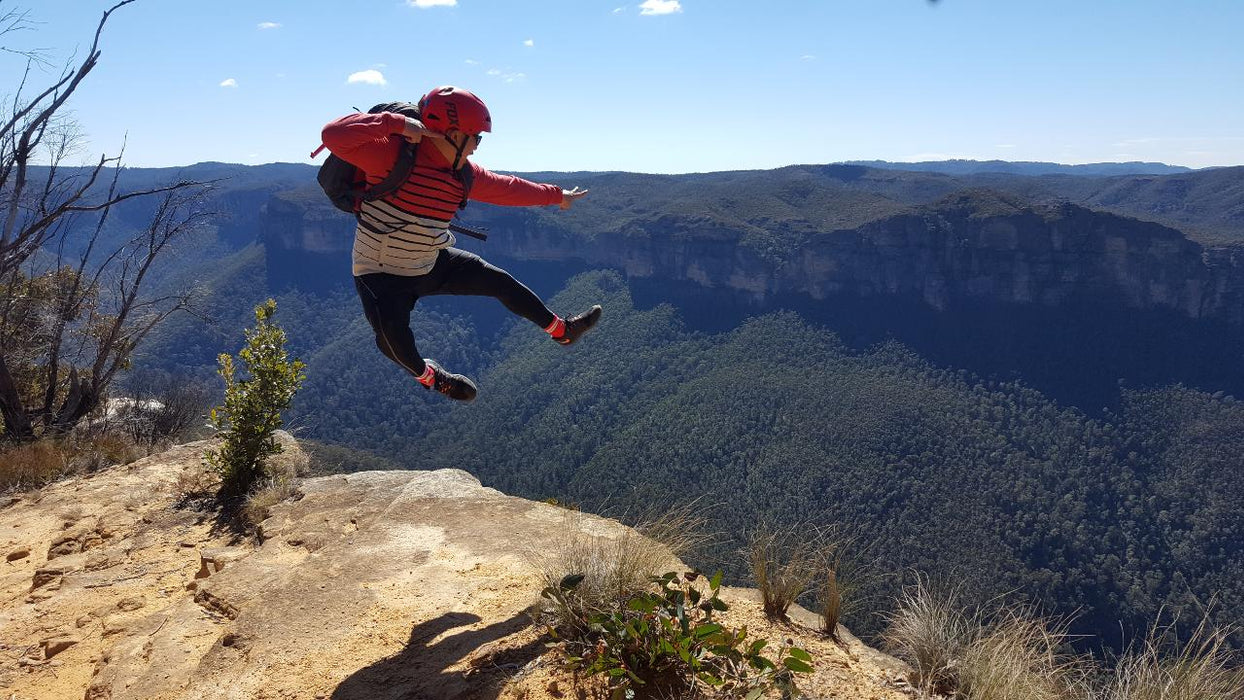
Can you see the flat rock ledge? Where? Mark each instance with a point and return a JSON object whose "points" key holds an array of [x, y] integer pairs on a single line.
{"points": [[398, 584]]}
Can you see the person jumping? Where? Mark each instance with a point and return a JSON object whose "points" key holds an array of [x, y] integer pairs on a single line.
{"points": [[403, 245]]}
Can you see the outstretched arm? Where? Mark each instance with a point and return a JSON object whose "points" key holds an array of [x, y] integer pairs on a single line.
{"points": [[508, 190], [571, 196]]}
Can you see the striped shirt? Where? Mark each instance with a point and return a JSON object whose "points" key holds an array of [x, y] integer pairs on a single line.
{"points": [[401, 233]]}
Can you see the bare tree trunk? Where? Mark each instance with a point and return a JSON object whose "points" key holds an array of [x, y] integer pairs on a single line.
{"points": [[17, 425]]}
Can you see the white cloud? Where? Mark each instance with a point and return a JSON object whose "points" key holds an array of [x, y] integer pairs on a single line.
{"points": [[660, 7], [229, 82], [619, 10], [529, 42], [472, 62], [807, 57], [425, 4], [269, 25], [370, 77], [506, 75]]}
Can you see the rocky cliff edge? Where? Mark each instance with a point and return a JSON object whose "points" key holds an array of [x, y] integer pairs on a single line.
{"points": [[371, 585]]}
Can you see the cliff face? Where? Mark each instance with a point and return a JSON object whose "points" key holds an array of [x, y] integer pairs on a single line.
{"points": [[972, 246]]}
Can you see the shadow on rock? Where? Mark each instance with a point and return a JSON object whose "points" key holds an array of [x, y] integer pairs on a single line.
{"points": [[422, 669]]}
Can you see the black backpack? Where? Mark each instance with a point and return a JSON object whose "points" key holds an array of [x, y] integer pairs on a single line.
{"points": [[346, 186]]}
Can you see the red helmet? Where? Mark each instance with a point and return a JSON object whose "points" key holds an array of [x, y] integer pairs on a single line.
{"points": [[449, 107]]}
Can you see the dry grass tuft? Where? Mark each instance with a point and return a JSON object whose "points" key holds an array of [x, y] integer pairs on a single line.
{"points": [[32, 465], [1018, 657], [259, 503], [615, 566], [784, 563], [932, 633], [35, 464], [1202, 668]]}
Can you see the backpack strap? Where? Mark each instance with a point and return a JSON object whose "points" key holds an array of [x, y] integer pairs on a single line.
{"points": [[466, 176], [397, 174], [401, 170]]}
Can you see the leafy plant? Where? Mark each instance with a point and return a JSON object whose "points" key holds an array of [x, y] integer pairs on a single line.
{"points": [[666, 638], [253, 404]]}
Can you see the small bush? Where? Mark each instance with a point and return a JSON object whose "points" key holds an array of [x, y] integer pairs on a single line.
{"points": [[664, 640], [843, 569], [197, 486], [253, 404]]}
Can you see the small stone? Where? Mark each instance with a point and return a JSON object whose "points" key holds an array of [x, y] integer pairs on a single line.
{"points": [[83, 621], [213, 560], [19, 553], [131, 604], [54, 646], [49, 577]]}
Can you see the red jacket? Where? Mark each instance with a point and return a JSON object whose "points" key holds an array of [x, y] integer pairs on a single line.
{"points": [[372, 141], [402, 233]]}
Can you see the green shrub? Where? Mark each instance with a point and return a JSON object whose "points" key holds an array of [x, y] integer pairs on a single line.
{"points": [[253, 404], [664, 640]]}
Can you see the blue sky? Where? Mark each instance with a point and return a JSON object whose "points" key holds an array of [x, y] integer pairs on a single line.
{"points": [[666, 85]]}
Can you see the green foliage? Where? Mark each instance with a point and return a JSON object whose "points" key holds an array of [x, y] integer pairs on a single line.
{"points": [[666, 637], [253, 404]]}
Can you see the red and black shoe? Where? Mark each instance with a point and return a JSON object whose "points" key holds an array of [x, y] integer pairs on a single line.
{"points": [[578, 325], [455, 386]]}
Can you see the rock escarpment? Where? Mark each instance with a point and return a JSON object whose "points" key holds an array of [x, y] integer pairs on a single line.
{"points": [[971, 247]]}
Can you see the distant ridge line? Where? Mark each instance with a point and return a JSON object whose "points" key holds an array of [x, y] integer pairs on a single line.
{"points": [[974, 167]]}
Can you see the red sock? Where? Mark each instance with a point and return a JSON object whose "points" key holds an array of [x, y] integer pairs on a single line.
{"points": [[557, 328], [427, 377]]}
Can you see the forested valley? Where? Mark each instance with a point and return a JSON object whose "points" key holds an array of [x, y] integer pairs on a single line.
{"points": [[1114, 519]]}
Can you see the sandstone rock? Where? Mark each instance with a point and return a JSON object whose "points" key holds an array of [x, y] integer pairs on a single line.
{"points": [[55, 645], [20, 553], [418, 586], [213, 560], [130, 604], [48, 577]]}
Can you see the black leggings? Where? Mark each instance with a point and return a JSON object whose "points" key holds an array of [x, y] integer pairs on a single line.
{"points": [[389, 299]]}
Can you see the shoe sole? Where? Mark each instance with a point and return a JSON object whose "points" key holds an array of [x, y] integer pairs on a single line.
{"points": [[593, 317]]}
